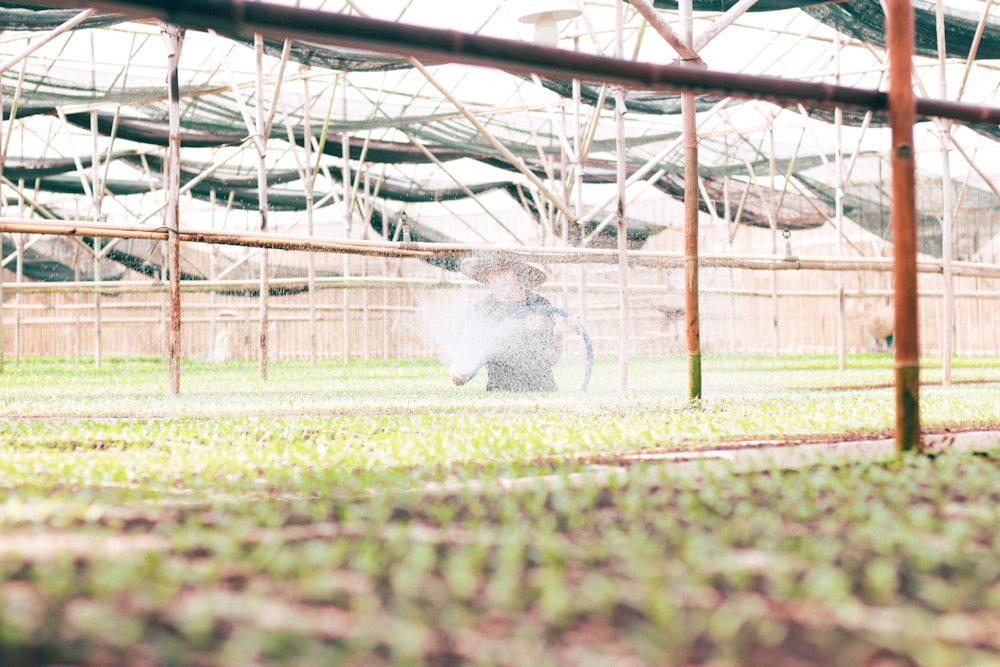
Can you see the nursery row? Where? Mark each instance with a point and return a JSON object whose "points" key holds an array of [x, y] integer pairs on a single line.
{"points": [[830, 564], [335, 515]]}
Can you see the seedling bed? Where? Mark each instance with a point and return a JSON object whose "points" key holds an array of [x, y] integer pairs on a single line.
{"points": [[333, 514]]}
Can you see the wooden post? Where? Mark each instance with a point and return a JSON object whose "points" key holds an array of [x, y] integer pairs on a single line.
{"points": [[838, 123], [95, 211], [174, 39], [2, 341], [262, 202], [580, 150], [345, 299], [619, 93], [772, 218], [18, 301], [307, 182], [902, 114], [3, 211], [692, 316], [944, 127]]}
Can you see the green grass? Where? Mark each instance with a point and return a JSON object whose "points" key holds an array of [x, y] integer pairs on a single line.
{"points": [[371, 513]]}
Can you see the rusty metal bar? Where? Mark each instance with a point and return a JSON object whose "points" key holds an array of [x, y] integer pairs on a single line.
{"points": [[434, 45], [902, 115]]}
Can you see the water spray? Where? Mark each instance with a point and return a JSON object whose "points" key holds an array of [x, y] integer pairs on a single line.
{"points": [[462, 377]]}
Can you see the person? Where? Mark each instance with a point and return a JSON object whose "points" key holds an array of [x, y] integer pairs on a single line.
{"points": [[513, 326], [879, 323]]}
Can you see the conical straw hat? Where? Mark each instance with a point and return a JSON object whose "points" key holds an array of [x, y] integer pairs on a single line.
{"points": [[480, 267]]}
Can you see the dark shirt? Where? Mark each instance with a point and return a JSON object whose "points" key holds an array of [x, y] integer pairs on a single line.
{"points": [[523, 349]]}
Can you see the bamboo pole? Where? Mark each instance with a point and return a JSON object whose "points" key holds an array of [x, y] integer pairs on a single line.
{"points": [[542, 254], [944, 128], [386, 270], [838, 123], [772, 219], [262, 202], [77, 329], [721, 23], [308, 182], [623, 314], [979, 318], [348, 185], [231, 286], [95, 208], [582, 150], [3, 211], [692, 317], [902, 114], [34, 45], [732, 223], [19, 277], [365, 328], [484, 132], [174, 39], [213, 256], [680, 43], [461, 184]]}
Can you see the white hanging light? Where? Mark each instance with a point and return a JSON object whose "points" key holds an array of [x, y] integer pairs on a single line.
{"points": [[546, 16]]}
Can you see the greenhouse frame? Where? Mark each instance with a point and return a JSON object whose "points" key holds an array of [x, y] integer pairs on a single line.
{"points": [[529, 332], [307, 177]]}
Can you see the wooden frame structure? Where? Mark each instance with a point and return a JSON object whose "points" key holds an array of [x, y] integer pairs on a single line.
{"points": [[423, 43]]}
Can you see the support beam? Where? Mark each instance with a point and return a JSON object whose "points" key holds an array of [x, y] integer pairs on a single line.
{"points": [[621, 218], [237, 17], [947, 241], [174, 41], [723, 22], [664, 30], [261, 142], [308, 182], [542, 254], [515, 161], [49, 36], [457, 181], [692, 316], [902, 114], [3, 211]]}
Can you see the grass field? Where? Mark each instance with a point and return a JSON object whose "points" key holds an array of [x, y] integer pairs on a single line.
{"points": [[370, 513]]}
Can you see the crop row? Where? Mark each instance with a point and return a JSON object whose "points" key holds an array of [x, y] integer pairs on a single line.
{"points": [[837, 562]]}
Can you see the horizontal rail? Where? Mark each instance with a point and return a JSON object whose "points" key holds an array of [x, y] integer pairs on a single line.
{"points": [[542, 254], [238, 17]]}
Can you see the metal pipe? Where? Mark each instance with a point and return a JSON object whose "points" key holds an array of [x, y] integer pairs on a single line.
{"points": [[902, 114], [236, 17]]}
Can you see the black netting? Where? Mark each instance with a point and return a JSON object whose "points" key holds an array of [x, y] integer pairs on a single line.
{"points": [[28, 17], [723, 5], [864, 20]]}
